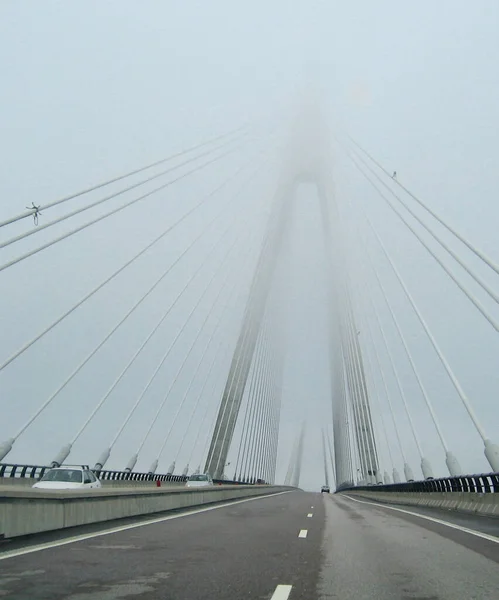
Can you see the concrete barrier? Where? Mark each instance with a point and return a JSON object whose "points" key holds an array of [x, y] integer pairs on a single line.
{"points": [[467, 502], [28, 482], [33, 511]]}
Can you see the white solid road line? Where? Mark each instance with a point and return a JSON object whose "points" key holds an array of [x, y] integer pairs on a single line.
{"points": [[303, 533], [281, 592], [310, 515], [87, 536], [485, 536]]}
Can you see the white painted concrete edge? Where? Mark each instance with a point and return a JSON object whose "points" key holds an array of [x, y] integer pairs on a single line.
{"points": [[34, 511], [466, 502]]}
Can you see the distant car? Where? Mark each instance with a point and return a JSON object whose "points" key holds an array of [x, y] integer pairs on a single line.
{"points": [[200, 480], [325, 489], [68, 478]]}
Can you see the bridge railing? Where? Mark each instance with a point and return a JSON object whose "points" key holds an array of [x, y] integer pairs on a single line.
{"points": [[22, 471], [134, 476], [37, 471], [484, 483]]}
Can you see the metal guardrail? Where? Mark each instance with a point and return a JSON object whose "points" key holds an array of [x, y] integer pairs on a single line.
{"points": [[485, 483], [133, 476], [37, 471], [22, 471]]}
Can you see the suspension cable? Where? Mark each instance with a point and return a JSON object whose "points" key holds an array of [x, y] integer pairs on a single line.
{"points": [[388, 398], [462, 395], [32, 211], [165, 356], [479, 280], [479, 253], [370, 440], [112, 212], [203, 354], [245, 425], [141, 347], [469, 295], [203, 420], [406, 348], [397, 380], [355, 402], [380, 410], [108, 335], [237, 374], [244, 431], [235, 379], [257, 415], [133, 186], [201, 392], [113, 275], [219, 214], [212, 426], [266, 435], [173, 381]]}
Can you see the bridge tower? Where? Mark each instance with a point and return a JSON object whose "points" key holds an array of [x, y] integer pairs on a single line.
{"points": [[308, 161]]}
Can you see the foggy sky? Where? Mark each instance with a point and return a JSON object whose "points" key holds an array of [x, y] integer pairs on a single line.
{"points": [[92, 89]]}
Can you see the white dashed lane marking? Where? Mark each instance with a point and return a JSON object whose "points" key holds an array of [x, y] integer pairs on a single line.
{"points": [[281, 592]]}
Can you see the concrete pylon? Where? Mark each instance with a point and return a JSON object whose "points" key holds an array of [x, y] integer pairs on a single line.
{"points": [[292, 465], [245, 347], [326, 473], [344, 328], [295, 482]]}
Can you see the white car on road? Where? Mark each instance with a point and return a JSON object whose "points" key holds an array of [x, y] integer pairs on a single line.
{"points": [[200, 480], [68, 478]]}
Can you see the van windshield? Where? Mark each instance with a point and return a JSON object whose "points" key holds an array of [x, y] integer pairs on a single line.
{"points": [[198, 478]]}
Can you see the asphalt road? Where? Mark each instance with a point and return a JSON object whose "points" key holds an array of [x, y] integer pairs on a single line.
{"points": [[373, 552], [253, 549]]}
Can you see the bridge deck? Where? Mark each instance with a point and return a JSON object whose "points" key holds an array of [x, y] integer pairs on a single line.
{"points": [[347, 549]]}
